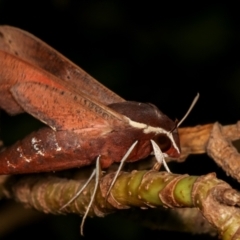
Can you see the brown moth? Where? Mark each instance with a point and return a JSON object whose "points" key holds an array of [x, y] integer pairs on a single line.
{"points": [[84, 119]]}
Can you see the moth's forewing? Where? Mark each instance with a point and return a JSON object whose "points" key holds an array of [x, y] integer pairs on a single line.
{"points": [[64, 110], [31, 49], [14, 70]]}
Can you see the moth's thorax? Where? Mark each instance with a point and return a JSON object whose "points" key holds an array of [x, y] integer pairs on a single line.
{"points": [[150, 119]]}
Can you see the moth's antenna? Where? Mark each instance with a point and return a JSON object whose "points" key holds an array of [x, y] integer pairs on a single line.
{"points": [[188, 111]]}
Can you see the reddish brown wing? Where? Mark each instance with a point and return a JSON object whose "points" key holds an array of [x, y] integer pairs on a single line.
{"points": [[19, 77], [31, 49], [14, 70], [64, 110]]}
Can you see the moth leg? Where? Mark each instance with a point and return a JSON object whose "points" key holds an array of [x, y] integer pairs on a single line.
{"points": [[98, 172], [160, 157], [79, 191], [120, 166]]}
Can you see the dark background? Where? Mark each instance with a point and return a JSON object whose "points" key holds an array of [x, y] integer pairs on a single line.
{"points": [[163, 54]]}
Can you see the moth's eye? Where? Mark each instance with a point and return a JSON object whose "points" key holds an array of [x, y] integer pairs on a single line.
{"points": [[163, 142]]}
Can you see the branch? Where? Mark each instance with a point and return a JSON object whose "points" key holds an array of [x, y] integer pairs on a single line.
{"points": [[194, 140], [216, 140], [143, 189]]}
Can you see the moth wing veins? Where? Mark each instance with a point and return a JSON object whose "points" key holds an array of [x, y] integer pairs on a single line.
{"points": [[64, 110]]}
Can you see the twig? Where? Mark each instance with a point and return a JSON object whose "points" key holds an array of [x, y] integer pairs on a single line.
{"points": [[139, 189]]}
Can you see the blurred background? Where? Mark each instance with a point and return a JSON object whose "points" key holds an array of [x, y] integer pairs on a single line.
{"points": [[163, 54]]}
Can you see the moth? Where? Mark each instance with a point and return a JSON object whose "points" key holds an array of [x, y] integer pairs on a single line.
{"points": [[84, 119]]}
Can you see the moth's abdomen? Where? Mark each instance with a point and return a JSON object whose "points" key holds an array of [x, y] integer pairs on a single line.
{"points": [[42, 151]]}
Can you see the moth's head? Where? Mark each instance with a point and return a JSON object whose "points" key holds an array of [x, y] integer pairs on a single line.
{"points": [[151, 120]]}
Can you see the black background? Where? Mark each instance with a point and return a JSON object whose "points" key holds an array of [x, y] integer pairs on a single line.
{"points": [[158, 53]]}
